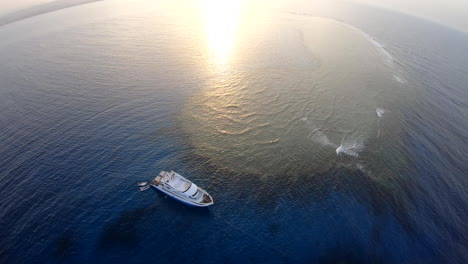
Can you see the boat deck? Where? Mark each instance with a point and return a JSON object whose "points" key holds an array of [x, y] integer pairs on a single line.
{"points": [[174, 180], [181, 189]]}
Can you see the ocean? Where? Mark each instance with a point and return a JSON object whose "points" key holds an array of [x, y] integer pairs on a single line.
{"points": [[331, 133]]}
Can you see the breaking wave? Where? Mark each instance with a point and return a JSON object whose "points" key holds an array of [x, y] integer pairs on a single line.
{"points": [[386, 55], [379, 111], [350, 149], [399, 79], [388, 58]]}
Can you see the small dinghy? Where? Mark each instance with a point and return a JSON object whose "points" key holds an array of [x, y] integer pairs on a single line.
{"points": [[144, 188], [141, 184]]}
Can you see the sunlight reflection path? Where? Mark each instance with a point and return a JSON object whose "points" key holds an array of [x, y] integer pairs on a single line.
{"points": [[221, 20]]}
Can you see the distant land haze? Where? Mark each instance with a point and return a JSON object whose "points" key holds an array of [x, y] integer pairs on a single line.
{"points": [[9, 6], [452, 13], [35, 8]]}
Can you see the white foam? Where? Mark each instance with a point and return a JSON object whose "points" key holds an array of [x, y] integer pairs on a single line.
{"points": [[381, 49], [399, 79], [321, 138], [317, 135], [361, 167], [388, 58], [347, 150], [350, 149], [380, 111], [339, 150]]}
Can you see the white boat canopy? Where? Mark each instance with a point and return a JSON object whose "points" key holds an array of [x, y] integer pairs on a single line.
{"points": [[192, 190]]}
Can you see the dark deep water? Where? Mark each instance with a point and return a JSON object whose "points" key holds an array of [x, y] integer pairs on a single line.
{"points": [[323, 136]]}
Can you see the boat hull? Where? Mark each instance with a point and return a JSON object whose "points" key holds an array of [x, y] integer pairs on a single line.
{"points": [[179, 199]]}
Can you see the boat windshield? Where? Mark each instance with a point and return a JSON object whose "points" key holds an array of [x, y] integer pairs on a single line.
{"points": [[192, 190]]}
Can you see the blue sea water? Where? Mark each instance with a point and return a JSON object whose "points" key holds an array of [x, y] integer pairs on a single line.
{"points": [[100, 96]]}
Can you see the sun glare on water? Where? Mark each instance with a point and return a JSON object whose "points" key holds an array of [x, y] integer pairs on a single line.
{"points": [[221, 21]]}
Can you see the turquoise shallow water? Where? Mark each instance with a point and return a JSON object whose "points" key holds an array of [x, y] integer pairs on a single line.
{"points": [[323, 136]]}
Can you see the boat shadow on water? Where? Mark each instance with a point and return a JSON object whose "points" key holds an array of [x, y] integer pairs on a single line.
{"points": [[125, 230], [175, 206]]}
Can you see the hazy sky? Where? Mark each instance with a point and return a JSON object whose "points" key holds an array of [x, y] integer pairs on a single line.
{"points": [[453, 13]]}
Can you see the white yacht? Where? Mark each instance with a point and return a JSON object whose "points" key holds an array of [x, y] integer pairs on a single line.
{"points": [[181, 189]]}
